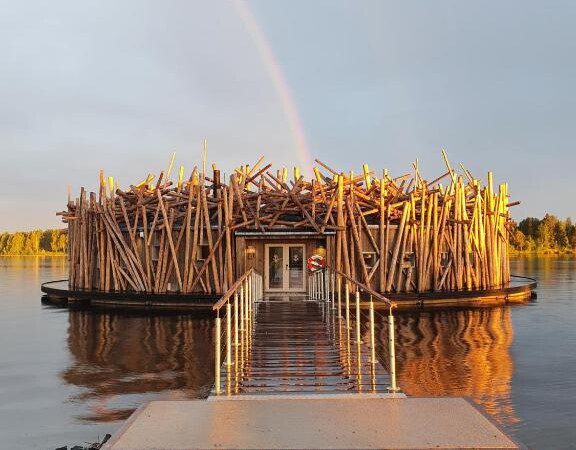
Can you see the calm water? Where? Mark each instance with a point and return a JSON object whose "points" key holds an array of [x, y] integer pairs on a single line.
{"points": [[68, 377]]}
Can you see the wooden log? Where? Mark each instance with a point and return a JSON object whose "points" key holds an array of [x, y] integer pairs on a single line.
{"points": [[398, 242], [210, 243]]}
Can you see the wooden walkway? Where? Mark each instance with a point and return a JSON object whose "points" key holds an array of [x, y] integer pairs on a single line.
{"points": [[301, 345], [300, 381]]}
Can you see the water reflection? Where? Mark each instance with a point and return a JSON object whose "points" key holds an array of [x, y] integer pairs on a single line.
{"points": [[54, 355], [119, 361], [457, 353]]}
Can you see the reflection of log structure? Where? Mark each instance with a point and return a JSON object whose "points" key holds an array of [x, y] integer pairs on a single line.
{"points": [[463, 353], [119, 355], [401, 234]]}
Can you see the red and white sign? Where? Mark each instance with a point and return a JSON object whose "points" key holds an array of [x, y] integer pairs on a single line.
{"points": [[316, 262]]}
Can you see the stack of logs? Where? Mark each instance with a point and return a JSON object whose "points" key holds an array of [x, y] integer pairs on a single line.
{"points": [[179, 236]]}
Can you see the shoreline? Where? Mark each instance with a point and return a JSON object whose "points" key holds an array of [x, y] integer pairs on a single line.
{"points": [[35, 255], [542, 253]]}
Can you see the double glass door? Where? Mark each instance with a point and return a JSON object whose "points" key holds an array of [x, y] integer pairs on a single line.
{"points": [[284, 266]]}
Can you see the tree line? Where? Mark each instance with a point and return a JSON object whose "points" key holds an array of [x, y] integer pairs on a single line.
{"points": [[546, 235], [37, 242]]}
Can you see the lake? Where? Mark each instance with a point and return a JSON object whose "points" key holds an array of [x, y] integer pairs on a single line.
{"points": [[70, 377]]}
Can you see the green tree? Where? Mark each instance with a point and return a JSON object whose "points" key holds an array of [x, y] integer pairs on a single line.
{"points": [[518, 240], [546, 232], [529, 226], [4, 243], [46, 240], [560, 237], [59, 241], [16, 244], [570, 233]]}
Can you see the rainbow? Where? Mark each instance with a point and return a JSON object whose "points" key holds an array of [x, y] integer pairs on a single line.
{"points": [[279, 81]]}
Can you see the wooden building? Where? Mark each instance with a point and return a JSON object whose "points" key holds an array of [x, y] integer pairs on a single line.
{"points": [[197, 234]]}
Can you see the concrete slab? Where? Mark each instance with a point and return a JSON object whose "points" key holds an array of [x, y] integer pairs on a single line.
{"points": [[310, 422]]}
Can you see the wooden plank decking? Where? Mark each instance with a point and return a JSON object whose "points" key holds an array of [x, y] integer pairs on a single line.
{"points": [[300, 345]]}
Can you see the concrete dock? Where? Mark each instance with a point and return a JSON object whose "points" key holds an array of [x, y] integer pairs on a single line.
{"points": [[310, 421]]}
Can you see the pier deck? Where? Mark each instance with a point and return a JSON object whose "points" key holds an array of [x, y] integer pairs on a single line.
{"points": [[299, 345], [301, 380], [313, 421]]}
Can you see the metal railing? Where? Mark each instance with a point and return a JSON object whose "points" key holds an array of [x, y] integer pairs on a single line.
{"points": [[238, 302], [326, 285]]}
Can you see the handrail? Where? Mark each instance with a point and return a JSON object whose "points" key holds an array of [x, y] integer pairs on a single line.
{"points": [[324, 283], [534, 280], [365, 288], [220, 303], [54, 281], [247, 289]]}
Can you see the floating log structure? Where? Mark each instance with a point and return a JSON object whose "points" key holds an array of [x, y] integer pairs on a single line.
{"points": [[394, 234]]}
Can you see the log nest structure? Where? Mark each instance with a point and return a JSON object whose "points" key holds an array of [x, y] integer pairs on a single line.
{"points": [[395, 234]]}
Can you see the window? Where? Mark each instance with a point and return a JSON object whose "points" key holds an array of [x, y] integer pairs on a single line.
{"points": [[472, 259], [369, 259], [444, 259], [203, 252], [409, 260], [155, 247]]}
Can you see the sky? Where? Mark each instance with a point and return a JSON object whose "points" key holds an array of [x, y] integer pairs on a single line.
{"points": [[120, 85]]}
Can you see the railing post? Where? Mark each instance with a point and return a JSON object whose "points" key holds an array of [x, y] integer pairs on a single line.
{"points": [[314, 279], [339, 283], [392, 350], [333, 288], [228, 335], [314, 285], [249, 311], [217, 362], [242, 306], [250, 295], [347, 295], [358, 334], [247, 282], [236, 318], [246, 310], [372, 336]]}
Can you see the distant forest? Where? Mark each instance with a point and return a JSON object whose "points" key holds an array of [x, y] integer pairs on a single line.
{"points": [[547, 235], [37, 242]]}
